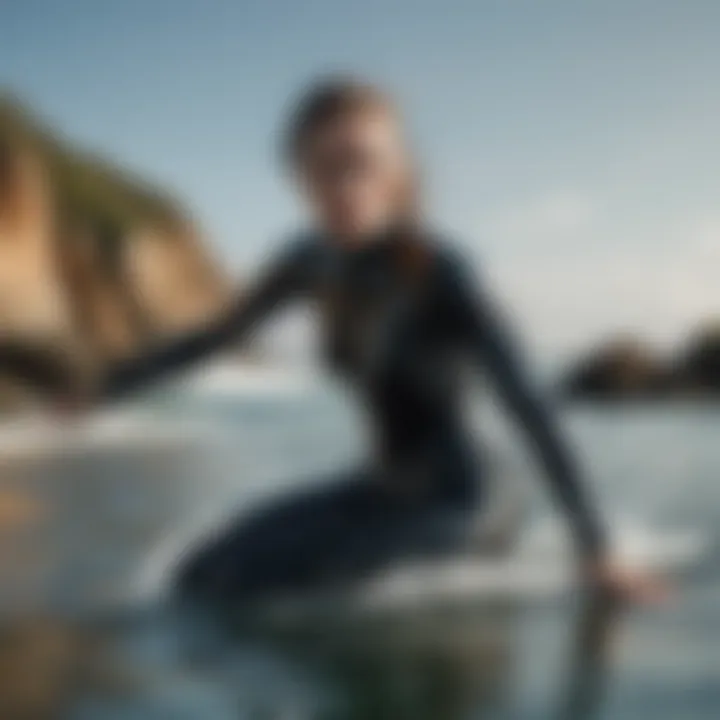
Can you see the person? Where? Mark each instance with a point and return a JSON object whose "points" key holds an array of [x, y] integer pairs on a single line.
{"points": [[399, 311]]}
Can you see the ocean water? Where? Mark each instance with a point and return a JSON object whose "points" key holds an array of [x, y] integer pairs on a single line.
{"points": [[89, 533]]}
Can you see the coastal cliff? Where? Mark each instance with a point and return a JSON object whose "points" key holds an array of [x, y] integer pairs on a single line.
{"points": [[95, 264]]}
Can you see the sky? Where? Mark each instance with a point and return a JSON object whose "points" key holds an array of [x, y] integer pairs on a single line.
{"points": [[571, 147]]}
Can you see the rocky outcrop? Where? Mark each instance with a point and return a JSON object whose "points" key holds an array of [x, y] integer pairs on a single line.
{"points": [[622, 368], [697, 371], [33, 301], [94, 264], [628, 370]]}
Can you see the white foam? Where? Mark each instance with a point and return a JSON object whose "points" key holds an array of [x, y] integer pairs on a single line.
{"points": [[35, 436], [234, 380], [633, 543]]}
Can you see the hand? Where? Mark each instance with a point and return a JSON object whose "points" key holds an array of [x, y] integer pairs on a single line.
{"points": [[71, 405], [626, 584]]}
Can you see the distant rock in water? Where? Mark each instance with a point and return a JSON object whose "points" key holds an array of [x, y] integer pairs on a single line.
{"points": [[698, 369], [629, 370], [621, 369], [95, 263]]}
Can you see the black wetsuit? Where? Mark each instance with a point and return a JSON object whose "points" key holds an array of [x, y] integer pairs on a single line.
{"points": [[395, 327]]}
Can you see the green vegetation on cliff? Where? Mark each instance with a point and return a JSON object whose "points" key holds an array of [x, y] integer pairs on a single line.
{"points": [[88, 188]]}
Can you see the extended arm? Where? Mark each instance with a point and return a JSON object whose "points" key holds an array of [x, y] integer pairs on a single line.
{"points": [[484, 333], [281, 280]]}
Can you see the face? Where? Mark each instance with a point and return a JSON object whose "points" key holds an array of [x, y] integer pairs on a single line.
{"points": [[355, 174]]}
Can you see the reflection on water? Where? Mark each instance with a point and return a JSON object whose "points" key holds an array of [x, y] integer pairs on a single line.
{"points": [[422, 668]]}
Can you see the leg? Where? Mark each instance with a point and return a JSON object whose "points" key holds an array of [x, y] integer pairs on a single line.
{"points": [[287, 544], [333, 533]]}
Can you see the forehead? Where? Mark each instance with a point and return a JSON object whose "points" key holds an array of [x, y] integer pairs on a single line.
{"points": [[371, 126]]}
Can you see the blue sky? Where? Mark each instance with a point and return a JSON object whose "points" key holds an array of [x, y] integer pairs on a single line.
{"points": [[572, 146]]}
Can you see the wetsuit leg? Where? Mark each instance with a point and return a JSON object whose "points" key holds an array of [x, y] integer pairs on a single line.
{"points": [[336, 532], [287, 543]]}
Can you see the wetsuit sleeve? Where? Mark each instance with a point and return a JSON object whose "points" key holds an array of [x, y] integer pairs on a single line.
{"points": [[281, 279], [484, 333]]}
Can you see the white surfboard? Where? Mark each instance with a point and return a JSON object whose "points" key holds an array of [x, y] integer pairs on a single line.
{"points": [[540, 569]]}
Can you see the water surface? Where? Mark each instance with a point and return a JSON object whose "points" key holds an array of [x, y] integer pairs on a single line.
{"points": [[79, 643]]}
